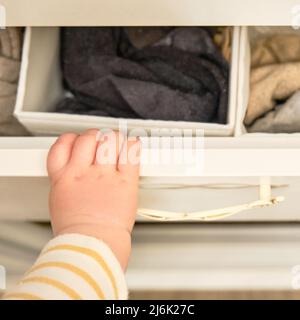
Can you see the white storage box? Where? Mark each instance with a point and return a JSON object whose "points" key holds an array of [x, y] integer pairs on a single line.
{"points": [[40, 88], [244, 86]]}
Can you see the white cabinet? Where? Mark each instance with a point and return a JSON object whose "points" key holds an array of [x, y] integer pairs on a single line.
{"points": [[232, 172]]}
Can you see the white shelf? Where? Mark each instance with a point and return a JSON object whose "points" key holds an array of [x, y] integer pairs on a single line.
{"points": [[144, 12], [222, 157]]}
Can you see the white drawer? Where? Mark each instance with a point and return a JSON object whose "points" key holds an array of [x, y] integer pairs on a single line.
{"points": [[232, 168], [155, 12], [216, 257], [273, 155], [27, 198]]}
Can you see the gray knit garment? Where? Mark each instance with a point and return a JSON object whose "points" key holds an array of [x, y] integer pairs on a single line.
{"points": [[176, 75]]}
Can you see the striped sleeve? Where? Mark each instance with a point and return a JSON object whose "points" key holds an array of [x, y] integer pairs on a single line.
{"points": [[73, 267]]}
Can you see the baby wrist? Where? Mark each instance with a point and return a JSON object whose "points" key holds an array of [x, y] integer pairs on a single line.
{"points": [[118, 239]]}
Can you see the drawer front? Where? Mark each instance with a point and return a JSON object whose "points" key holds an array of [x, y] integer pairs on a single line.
{"points": [[221, 157], [231, 173], [27, 198], [155, 12]]}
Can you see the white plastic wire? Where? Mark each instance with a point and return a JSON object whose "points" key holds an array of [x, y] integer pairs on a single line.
{"points": [[265, 201]]}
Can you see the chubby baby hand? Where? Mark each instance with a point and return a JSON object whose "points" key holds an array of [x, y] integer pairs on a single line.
{"points": [[94, 186]]}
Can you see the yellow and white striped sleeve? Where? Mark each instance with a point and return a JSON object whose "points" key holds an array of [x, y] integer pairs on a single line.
{"points": [[73, 266]]}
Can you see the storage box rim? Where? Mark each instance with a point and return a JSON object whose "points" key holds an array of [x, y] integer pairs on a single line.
{"points": [[27, 117], [23, 72]]}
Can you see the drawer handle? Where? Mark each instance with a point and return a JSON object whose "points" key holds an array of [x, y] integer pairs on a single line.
{"points": [[266, 200]]}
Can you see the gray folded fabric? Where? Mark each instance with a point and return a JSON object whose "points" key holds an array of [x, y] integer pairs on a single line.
{"points": [[175, 75], [7, 107], [8, 93], [10, 53], [11, 42], [142, 37], [7, 88], [285, 118], [9, 70], [12, 127]]}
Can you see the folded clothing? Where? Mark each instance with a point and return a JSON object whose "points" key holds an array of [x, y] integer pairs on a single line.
{"points": [[11, 42], [275, 76], [10, 54], [223, 39], [279, 48], [143, 37], [149, 73], [270, 84], [284, 118]]}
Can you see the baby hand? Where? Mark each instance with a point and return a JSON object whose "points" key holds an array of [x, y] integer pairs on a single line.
{"points": [[94, 187]]}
